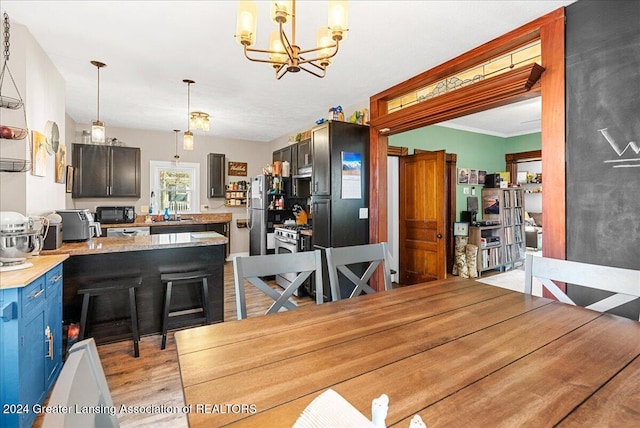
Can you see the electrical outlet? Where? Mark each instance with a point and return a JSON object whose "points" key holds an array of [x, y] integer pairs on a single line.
{"points": [[204, 208], [144, 208], [465, 190]]}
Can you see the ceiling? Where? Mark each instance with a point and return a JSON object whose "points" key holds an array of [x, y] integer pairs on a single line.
{"points": [[151, 46]]}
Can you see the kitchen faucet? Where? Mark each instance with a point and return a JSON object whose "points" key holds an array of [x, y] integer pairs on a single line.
{"points": [[174, 204]]}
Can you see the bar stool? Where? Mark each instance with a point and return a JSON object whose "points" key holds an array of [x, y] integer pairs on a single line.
{"points": [[103, 287], [178, 278]]}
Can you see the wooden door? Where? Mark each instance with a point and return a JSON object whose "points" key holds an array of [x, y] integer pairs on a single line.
{"points": [[422, 217]]}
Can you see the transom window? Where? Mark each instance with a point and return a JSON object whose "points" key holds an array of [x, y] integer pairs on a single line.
{"points": [[175, 186], [517, 58]]}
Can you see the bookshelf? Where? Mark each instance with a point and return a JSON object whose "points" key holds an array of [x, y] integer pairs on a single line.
{"points": [[507, 207], [488, 239]]}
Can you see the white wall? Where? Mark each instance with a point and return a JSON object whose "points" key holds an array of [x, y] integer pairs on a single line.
{"points": [[43, 90], [160, 146], [283, 140]]}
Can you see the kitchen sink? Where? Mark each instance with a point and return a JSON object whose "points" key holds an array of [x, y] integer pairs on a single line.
{"points": [[175, 221]]}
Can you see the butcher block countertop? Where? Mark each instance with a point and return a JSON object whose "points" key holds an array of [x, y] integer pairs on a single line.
{"points": [[23, 277], [186, 219], [139, 243]]}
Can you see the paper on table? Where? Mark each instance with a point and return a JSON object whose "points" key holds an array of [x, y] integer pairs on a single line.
{"points": [[206, 235], [330, 409]]}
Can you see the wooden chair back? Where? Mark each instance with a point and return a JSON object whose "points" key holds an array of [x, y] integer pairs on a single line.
{"points": [[623, 283], [82, 384], [339, 259], [252, 268]]}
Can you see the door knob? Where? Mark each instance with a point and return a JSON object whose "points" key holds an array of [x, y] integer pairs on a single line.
{"points": [[439, 235]]}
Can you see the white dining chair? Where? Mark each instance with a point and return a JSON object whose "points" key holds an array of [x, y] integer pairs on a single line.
{"points": [[340, 258], [82, 384], [252, 268], [623, 283]]}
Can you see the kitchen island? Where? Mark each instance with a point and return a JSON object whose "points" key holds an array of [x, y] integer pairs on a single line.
{"points": [[216, 222], [99, 259]]}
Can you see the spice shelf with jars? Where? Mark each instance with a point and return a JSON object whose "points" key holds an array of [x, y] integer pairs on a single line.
{"points": [[235, 194]]}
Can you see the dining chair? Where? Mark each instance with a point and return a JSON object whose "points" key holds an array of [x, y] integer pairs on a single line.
{"points": [[252, 268], [624, 283], [82, 384], [340, 258]]}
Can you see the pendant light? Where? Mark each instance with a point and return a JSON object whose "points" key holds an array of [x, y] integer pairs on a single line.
{"points": [[97, 128], [188, 135], [199, 120], [176, 157]]}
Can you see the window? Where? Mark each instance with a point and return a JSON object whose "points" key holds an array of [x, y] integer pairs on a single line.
{"points": [[175, 186]]}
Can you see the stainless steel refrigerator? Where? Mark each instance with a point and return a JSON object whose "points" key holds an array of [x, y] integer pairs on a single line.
{"points": [[258, 215], [264, 215]]}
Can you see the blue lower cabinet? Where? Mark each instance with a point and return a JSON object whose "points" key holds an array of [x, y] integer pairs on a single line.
{"points": [[30, 346]]}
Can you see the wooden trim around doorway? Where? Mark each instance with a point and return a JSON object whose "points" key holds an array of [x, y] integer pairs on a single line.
{"points": [[549, 29], [513, 159]]}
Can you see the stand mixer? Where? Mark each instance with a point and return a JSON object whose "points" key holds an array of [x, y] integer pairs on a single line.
{"points": [[20, 238]]}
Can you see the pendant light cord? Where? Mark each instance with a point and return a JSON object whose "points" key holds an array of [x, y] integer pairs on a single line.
{"points": [[188, 106], [98, 118]]}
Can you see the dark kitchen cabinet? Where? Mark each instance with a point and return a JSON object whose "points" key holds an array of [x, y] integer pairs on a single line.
{"points": [[329, 142], [321, 209], [304, 154], [287, 154], [106, 171], [215, 175], [321, 155]]}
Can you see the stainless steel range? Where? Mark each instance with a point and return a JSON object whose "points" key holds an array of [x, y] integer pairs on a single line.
{"points": [[289, 239]]}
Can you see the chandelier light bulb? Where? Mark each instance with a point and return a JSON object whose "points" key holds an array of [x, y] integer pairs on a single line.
{"points": [[284, 55]]}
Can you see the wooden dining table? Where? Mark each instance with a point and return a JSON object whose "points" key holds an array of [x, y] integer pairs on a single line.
{"points": [[456, 352]]}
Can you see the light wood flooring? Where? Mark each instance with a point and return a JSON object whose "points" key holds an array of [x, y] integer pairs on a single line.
{"points": [[153, 379]]}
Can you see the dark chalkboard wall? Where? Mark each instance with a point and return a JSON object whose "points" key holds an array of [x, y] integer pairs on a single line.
{"points": [[603, 136]]}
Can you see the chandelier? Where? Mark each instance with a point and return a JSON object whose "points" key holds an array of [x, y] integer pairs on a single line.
{"points": [[284, 54], [97, 127], [199, 120]]}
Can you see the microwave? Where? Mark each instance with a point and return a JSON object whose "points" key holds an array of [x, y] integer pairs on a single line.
{"points": [[112, 215]]}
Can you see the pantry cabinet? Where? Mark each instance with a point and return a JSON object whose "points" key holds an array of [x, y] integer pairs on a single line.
{"points": [[106, 171], [30, 346]]}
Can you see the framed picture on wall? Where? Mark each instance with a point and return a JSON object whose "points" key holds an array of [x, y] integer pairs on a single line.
{"points": [[473, 176], [463, 175], [69, 178], [481, 176], [238, 169], [522, 177]]}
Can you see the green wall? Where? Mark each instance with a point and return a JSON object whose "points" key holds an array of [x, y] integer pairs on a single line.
{"points": [[523, 143], [475, 151]]}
